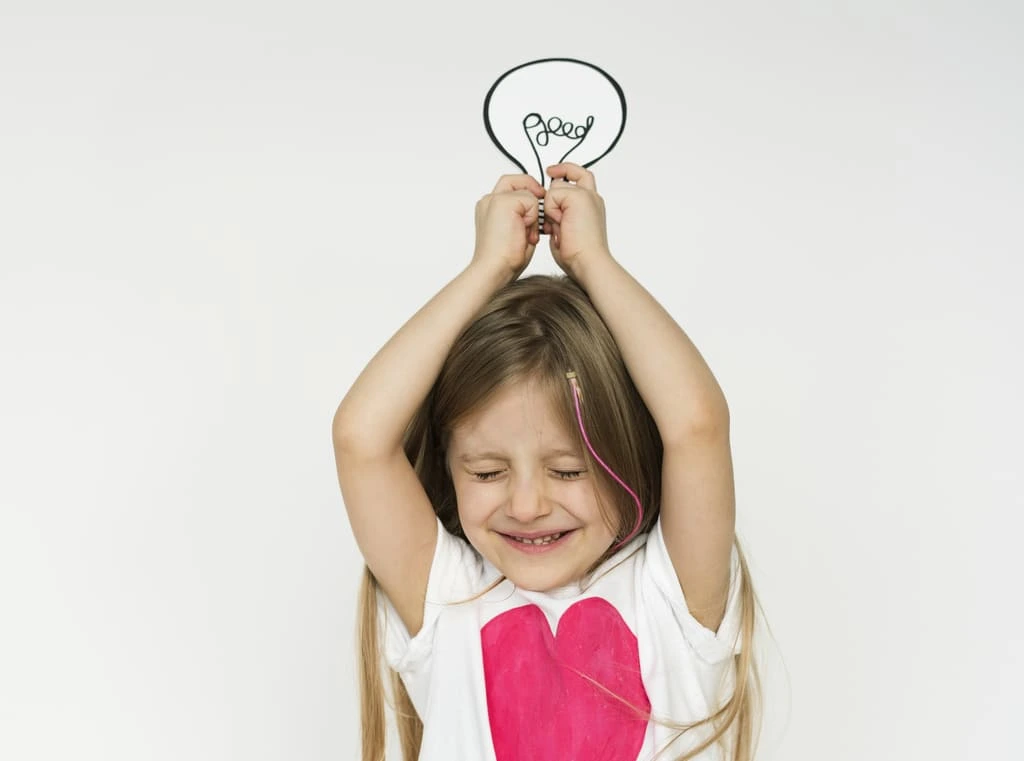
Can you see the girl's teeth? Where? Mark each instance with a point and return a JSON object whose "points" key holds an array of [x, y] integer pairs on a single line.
{"points": [[539, 540]]}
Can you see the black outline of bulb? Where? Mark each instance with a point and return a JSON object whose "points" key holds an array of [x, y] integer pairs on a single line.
{"points": [[513, 159]]}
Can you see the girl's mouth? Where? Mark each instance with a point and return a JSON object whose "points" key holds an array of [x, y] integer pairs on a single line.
{"points": [[539, 544]]}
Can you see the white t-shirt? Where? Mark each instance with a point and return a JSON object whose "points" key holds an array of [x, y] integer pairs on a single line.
{"points": [[497, 678]]}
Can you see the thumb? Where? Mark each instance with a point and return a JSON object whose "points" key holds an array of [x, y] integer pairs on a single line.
{"points": [[527, 206], [557, 200]]}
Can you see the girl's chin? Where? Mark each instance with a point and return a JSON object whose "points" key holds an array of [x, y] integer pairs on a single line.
{"points": [[537, 574], [530, 583]]}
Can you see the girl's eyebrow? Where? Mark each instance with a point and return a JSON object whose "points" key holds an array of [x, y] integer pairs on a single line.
{"points": [[468, 456], [490, 455]]}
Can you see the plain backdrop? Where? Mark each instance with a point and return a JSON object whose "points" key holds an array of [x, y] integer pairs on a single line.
{"points": [[213, 213]]}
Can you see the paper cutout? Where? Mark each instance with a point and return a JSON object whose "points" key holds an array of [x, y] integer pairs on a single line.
{"points": [[552, 110]]}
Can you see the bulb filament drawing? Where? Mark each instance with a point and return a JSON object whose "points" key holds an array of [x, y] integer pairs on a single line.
{"points": [[557, 127]]}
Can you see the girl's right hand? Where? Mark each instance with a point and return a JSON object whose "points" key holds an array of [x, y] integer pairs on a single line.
{"points": [[506, 223]]}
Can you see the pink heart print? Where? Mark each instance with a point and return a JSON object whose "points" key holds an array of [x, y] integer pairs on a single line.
{"points": [[540, 708]]}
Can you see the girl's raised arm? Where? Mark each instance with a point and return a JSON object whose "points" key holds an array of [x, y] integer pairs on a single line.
{"points": [[391, 517], [698, 502]]}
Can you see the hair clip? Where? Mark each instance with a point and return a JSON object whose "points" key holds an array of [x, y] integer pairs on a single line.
{"points": [[571, 377]]}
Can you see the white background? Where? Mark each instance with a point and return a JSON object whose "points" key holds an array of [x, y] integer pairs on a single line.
{"points": [[213, 213]]}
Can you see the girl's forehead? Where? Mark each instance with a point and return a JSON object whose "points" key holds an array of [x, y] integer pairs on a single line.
{"points": [[519, 406], [514, 422]]}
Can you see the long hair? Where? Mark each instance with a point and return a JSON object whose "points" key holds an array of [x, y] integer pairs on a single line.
{"points": [[539, 328]]}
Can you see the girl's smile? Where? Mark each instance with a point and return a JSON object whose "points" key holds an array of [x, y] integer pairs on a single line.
{"points": [[540, 543]]}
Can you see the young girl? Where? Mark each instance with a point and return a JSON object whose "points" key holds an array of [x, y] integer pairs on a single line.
{"points": [[538, 474]]}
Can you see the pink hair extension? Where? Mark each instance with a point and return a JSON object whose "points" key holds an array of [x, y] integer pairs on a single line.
{"points": [[579, 417]]}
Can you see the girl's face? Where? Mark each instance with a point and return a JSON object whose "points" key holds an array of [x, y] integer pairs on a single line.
{"points": [[525, 498]]}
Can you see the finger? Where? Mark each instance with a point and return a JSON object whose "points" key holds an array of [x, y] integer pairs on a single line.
{"points": [[553, 206], [526, 205], [512, 182], [533, 230], [573, 173]]}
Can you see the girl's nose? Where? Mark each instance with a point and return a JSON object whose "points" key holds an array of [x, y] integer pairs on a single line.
{"points": [[527, 503]]}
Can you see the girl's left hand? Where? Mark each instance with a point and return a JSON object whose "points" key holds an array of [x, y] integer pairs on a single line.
{"points": [[574, 217]]}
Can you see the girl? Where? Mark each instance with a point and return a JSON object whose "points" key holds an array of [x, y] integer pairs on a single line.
{"points": [[538, 475]]}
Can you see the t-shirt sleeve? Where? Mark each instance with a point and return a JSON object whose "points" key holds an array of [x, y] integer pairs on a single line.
{"points": [[712, 647], [456, 573]]}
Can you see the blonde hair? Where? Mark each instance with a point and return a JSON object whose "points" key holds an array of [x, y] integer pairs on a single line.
{"points": [[538, 328]]}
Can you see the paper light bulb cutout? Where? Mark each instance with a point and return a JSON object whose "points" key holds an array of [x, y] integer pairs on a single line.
{"points": [[552, 110]]}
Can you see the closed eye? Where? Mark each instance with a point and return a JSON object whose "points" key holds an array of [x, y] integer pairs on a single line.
{"points": [[489, 476], [569, 475]]}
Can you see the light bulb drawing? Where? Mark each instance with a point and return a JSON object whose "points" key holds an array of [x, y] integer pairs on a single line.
{"points": [[555, 109]]}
